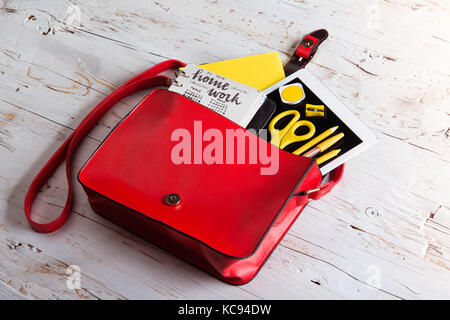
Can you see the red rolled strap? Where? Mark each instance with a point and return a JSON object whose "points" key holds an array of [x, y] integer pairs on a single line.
{"points": [[335, 177], [305, 51]]}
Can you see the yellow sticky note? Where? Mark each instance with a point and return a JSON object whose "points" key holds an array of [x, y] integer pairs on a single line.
{"points": [[259, 71]]}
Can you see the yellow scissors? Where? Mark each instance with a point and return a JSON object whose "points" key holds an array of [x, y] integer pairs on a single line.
{"points": [[286, 136]]}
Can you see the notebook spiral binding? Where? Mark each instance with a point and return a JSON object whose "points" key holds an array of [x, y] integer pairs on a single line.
{"points": [[177, 74]]}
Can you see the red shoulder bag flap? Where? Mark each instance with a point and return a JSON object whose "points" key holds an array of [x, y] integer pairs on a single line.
{"points": [[227, 207]]}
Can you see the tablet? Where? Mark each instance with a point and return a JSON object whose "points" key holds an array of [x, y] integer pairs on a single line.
{"points": [[303, 92]]}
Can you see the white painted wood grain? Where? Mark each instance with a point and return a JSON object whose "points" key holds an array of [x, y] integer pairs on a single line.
{"points": [[26, 270], [7, 293], [389, 216]]}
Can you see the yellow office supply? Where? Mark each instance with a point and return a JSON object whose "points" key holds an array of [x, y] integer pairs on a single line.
{"points": [[292, 93], [329, 142], [328, 156], [258, 71], [324, 145], [282, 138], [313, 142], [312, 110]]}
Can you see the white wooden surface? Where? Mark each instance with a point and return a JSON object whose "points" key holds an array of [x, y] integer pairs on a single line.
{"points": [[383, 233]]}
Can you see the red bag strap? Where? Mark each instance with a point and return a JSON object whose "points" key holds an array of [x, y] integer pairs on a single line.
{"points": [[335, 177], [146, 80], [304, 53]]}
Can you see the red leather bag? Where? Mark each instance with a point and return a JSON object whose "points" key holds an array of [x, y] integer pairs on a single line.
{"points": [[226, 219]]}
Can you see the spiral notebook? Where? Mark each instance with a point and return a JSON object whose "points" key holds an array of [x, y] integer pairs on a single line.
{"points": [[234, 100]]}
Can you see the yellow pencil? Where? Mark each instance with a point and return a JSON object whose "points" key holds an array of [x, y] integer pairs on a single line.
{"points": [[321, 147], [328, 156], [317, 139]]}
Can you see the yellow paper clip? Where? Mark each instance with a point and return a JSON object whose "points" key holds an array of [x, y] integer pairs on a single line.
{"points": [[312, 110]]}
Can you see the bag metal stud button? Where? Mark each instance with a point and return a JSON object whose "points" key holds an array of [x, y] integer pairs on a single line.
{"points": [[306, 43], [172, 199]]}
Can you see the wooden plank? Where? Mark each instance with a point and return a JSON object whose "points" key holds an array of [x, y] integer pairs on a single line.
{"points": [[54, 194], [423, 87], [382, 233], [27, 272], [7, 293]]}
